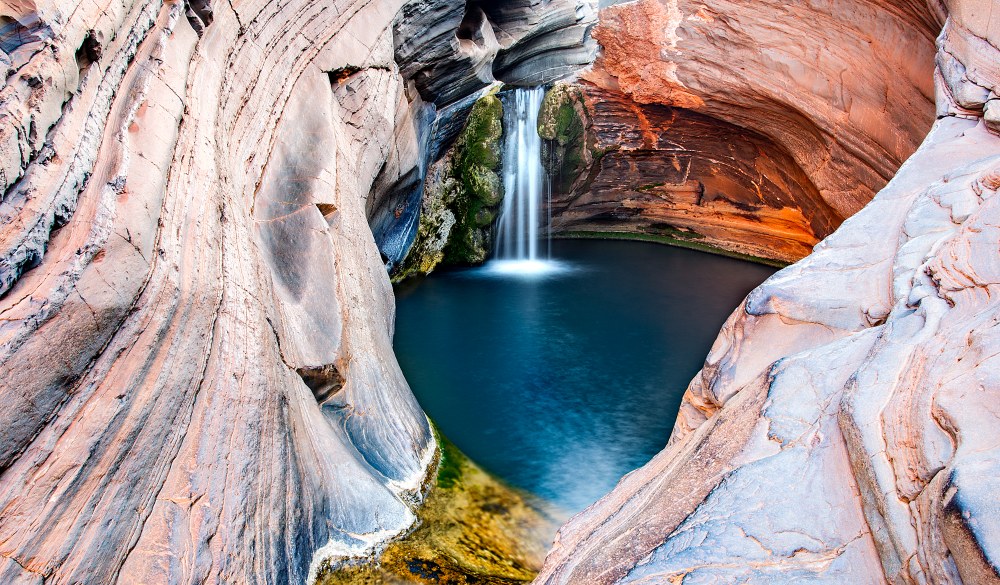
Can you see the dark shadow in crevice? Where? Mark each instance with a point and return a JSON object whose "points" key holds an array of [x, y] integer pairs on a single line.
{"points": [[324, 381]]}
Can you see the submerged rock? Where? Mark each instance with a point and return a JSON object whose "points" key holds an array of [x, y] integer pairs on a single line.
{"points": [[472, 529]]}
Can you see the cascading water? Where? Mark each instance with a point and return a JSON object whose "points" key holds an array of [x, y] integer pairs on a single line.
{"points": [[517, 239]]}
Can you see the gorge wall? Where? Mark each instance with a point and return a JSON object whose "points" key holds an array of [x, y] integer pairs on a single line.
{"points": [[195, 345], [195, 320], [842, 429], [801, 112], [200, 200]]}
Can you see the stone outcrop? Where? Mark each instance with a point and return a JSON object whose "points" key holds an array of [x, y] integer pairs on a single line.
{"points": [[452, 49], [195, 328], [802, 113], [460, 196], [846, 87], [842, 429], [620, 166]]}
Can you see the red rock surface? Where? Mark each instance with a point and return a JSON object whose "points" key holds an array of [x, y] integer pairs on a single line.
{"points": [[845, 86], [676, 172]]}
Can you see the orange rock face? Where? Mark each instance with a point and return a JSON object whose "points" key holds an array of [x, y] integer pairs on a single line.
{"points": [[845, 86], [661, 170]]}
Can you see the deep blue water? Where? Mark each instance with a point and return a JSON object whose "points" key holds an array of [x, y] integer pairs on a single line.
{"points": [[561, 384]]}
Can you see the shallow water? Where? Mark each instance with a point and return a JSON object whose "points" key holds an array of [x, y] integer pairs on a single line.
{"points": [[561, 381]]}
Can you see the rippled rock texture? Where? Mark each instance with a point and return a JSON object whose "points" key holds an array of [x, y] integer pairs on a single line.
{"points": [[843, 429], [195, 318], [195, 332], [520, 42]]}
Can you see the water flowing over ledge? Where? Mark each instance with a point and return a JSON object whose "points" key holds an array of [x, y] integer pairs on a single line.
{"points": [[523, 178]]}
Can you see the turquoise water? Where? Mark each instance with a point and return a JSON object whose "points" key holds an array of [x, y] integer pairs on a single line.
{"points": [[562, 382]]}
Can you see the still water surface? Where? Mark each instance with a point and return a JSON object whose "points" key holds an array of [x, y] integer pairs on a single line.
{"points": [[561, 383]]}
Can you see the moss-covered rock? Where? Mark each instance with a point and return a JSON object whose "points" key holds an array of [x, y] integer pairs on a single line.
{"points": [[476, 161], [462, 194], [563, 123]]}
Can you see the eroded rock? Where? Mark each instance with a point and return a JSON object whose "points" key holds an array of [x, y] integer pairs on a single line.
{"points": [[839, 431]]}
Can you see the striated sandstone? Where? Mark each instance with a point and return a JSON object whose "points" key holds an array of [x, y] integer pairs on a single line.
{"points": [[452, 49], [842, 429], [195, 345], [195, 317], [846, 87], [662, 170]]}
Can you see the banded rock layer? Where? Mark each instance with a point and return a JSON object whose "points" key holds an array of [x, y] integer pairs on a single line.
{"points": [[660, 170], [195, 320], [843, 429], [195, 343]]}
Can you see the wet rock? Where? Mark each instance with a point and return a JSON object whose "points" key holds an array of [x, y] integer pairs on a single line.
{"points": [[461, 195]]}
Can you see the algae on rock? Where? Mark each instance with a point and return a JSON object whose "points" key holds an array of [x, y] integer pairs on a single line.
{"points": [[563, 123], [473, 529], [462, 193]]}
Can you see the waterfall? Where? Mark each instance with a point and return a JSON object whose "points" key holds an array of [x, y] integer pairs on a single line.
{"points": [[517, 231]]}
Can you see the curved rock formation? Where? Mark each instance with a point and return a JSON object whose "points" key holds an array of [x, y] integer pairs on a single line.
{"points": [[195, 345], [195, 318], [803, 112], [841, 430], [845, 86], [619, 166], [452, 49]]}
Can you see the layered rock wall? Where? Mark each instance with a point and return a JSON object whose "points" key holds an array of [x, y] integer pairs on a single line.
{"points": [[195, 357], [195, 319], [841, 430], [846, 87], [620, 166], [195, 341]]}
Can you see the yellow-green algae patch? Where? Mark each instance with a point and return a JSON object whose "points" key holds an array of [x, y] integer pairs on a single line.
{"points": [[471, 529]]}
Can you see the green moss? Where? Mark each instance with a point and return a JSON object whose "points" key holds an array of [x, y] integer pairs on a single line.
{"points": [[675, 239], [563, 123], [450, 463], [426, 252], [472, 529], [475, 163], [462, 193], [649, 187]]}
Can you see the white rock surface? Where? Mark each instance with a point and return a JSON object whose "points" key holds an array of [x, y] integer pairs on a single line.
{"points": [[157, 423]]}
